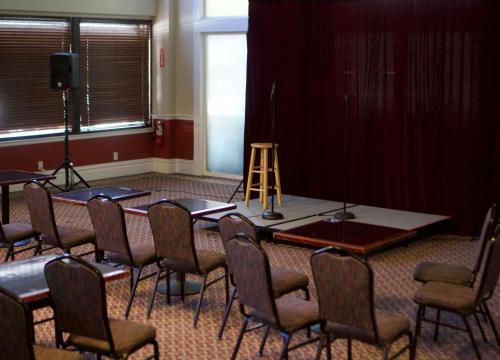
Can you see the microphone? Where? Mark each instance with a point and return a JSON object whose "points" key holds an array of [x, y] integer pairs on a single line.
{"points": [[273, 89]]}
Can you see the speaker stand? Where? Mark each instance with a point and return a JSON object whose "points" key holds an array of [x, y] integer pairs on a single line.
{"points": [[67, 164]]}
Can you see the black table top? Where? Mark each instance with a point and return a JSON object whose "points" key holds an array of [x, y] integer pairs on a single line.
{"points": [[10, 177], [197, 207], [117, 193], [26, 278]]}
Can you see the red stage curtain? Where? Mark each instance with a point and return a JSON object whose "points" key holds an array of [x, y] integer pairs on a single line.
{"points": [[422, 81]]}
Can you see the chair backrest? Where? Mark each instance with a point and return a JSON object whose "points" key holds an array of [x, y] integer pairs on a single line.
{"points": [[235, 224], [40, 208], [491, 270], [110, 229], [172, 228], [252, 275], [78, 294], [344, 284], [16, 330], [487, 231]]}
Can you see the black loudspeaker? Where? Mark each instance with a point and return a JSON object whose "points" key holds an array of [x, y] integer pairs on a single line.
{"points": [[64, 74]]}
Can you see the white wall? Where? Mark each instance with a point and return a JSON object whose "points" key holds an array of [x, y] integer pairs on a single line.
{"points": [[135, 8]]}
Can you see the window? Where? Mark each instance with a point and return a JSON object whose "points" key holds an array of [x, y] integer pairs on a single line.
{"points": [[27, 103], [226, 8], [225, 98], [115, 74], [223, 27]]}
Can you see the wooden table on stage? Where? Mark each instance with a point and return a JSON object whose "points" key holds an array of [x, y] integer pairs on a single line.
{"points": [[26, 278], [198, 209], [11, 177], [80, 197], [352, 236]]}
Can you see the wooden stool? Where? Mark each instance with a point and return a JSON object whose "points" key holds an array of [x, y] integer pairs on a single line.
{"points": [[263, 170]]}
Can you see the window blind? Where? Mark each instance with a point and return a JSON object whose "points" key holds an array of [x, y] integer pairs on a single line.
{"points": [[114, 72], [26, 100]]}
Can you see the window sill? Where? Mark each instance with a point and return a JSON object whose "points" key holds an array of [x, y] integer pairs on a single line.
{"points": [[56, 137]]}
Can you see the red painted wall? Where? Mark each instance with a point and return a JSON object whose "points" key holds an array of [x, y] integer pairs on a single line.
{"points": [[178, 144], [178, 140]]}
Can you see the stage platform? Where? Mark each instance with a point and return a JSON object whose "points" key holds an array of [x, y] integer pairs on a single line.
{"points": [[300, 212]]}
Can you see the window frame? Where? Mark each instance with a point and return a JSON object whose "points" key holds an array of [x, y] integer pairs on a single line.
{"points": [[75, 127]]}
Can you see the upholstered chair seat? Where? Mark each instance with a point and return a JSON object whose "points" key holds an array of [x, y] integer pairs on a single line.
{"points": [[450, 273], [455, 273], [127, 336], [142, 254], [208, 260], [42, 353], [457, 298], [15, 232], [285, 281], [12, 233], [69, 237], [390, 327], [294, 313]]}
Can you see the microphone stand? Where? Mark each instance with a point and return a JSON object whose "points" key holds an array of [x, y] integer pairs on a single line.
{"points": [[272, 215], [344, 214]]}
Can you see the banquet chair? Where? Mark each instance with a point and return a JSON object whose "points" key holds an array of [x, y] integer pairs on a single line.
{"points": [[172, 227], [459, 274], [78, 294], [43, 221], [257, 301], [112, 241], [17, 338], [344, 283], [12, 233], [283, 280], [462, 300]]}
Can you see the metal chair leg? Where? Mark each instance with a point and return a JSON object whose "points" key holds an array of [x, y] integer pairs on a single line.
{"points": [[263, 340], [411, 344], [480, 327], [349, 349], [156, 350], [492, 323], [307, 296], [385, 356], [226, 283], [321, 343], [167, 280], [198, 307], [284, 350], [436, 328], [471, 336], [132, 294], [9, 252], [240, 337], [153, 294], [418, 324], [227, 310]]}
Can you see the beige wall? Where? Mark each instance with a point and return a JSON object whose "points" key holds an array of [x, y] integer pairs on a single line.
{"points": [[135, 8]]}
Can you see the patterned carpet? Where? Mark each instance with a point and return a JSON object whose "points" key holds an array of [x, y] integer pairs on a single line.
{"points": [[176, 336]]}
